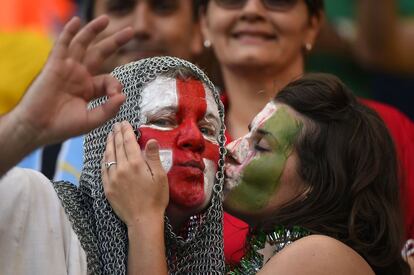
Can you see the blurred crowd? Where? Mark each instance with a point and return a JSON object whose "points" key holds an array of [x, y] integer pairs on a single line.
{"points": [[366, 43]]}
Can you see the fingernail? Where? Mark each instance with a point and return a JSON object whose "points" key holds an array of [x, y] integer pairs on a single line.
{"points": [[153, 146], [116, 127]]}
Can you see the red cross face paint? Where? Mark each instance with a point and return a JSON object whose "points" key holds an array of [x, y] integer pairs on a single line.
{"points": [[183, 116]]}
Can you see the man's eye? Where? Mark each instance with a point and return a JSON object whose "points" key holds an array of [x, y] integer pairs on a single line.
{"points": [[208, 131], [164, 6], [120, 7], [162, 122], [262, 145]]}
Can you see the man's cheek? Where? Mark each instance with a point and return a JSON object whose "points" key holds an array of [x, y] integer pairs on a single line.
{"points": [[165, 138], [211, 152], [209, 177]]}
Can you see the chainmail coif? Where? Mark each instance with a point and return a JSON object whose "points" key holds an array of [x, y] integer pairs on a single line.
{"points": [[101, 233]]}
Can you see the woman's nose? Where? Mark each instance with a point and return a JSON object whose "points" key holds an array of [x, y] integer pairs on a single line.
{"points": [[236, 151]]}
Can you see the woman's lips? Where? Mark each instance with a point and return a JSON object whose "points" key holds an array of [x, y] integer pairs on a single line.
{"points": [[253, 34]]}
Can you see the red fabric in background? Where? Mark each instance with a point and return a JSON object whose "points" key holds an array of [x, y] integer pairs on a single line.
{"points": [[402, 131]]}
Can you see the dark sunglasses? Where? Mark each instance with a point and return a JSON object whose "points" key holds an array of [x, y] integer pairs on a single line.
{"points": [[275, 5]]}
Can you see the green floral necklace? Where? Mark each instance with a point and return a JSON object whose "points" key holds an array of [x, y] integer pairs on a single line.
{"points": [[262, 246]]}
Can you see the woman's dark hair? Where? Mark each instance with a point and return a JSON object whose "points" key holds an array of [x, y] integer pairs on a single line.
{"points": [[315, 7], [348, 162]]}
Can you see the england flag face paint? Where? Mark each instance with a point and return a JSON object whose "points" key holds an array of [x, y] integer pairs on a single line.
{"points": [[183, 116]]}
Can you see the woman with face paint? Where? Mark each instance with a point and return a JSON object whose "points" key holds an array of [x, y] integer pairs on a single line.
{"points": [[317, 169], [316, 180]]}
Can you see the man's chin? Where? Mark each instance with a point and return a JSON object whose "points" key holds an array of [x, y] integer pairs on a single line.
{"points": [[179, 215]]}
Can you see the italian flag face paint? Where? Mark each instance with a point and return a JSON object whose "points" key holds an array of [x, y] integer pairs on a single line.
{"points": [[183, 117], [254, 179]]}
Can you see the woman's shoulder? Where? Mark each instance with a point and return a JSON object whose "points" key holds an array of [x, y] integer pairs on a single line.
{"points": [[317, 254]]}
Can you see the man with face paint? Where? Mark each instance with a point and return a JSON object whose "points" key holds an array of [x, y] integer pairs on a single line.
{"points": [[181, 113], [81, 226], [182, 116]]}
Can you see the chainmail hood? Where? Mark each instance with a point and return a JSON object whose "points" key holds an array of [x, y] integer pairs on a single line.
{"points": [[102, 235]]}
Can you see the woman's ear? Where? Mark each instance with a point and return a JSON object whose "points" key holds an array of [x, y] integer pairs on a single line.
{"points": [[205, 28], [314, 26]]}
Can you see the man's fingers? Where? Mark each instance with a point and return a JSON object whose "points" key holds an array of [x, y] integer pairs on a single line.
{"points": [[132, 149], [105, 85], [119, 144], [97, 53], [99, 115], [152, 156], [83, 39], [62, 43], [109, 155]]}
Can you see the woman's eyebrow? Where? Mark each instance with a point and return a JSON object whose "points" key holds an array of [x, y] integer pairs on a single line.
{"points": [[264, 132]]}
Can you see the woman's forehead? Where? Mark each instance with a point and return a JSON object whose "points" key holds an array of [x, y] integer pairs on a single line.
{"points": [[263, 115]]}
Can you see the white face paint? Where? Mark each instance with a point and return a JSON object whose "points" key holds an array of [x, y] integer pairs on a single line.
{"points": [[166, 159], [211, 116], [241, 149], [264, 114], [152, 104], [209, 177]]}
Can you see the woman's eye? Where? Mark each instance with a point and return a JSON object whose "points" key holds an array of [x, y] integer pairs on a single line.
{"points": [[262, 145]]}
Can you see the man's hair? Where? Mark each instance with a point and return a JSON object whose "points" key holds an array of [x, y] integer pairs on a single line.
{"points": [[315, 7], [348, 164], [88, 6]]}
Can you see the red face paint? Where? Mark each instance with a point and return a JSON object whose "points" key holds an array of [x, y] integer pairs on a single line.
{"points": [[190, 148]]}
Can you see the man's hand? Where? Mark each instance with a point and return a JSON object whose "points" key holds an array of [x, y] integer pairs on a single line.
{"points": [[137, 185], [54, 107]]}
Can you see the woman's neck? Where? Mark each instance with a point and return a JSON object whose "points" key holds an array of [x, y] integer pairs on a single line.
{"points": [[250, 90]]}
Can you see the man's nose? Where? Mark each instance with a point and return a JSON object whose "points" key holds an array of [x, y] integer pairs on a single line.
{"points": [[142, 19], [190, 137]]}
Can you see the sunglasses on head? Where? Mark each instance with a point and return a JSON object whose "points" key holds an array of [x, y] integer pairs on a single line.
{"points": [[275, 5]]}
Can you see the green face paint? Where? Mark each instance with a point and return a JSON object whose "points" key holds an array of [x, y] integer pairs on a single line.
{"points": [[256, 179]]}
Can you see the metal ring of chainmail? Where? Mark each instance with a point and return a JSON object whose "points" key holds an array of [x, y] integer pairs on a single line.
{"points": [[101, 233]]}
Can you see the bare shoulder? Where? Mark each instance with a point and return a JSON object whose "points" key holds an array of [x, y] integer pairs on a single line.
{"points": [[317, 254]]}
